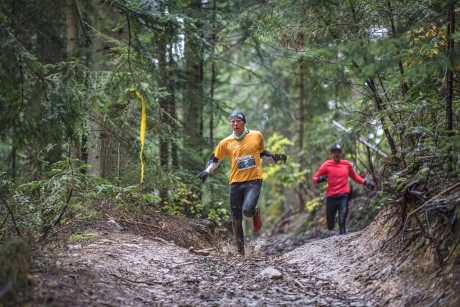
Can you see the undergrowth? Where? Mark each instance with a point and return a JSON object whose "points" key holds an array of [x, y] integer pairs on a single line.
{"points": [[67, 199]]}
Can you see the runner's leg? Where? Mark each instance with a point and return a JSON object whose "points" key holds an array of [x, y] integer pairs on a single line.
{"points": [[343, 213], [239, 235], [331, 212], [236, 204], [251, 197]]}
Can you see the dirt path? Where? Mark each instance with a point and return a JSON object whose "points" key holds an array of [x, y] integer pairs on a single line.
{"points": [[129, 270], [119, 268]]}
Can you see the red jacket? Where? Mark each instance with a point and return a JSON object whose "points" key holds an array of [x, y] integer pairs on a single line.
{"points": [[337, 176]]}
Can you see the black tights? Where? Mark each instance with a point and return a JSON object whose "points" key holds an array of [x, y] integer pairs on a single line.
{"points": [[243, 201], [244, 197], [336, 203]]}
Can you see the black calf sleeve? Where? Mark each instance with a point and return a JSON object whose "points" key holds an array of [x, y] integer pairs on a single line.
{"points": [[238, 233]]}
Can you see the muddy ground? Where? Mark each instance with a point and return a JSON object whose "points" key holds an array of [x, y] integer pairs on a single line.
{"points": [[117, 267], [129, 270]]}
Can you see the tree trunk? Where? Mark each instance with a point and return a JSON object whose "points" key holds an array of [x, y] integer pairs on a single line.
{"points": [[211, 112], [213, 74], [172, 106], [71, 19], [404, 87], [13, 163], [450, 78], [378, 102], [104, 139], [71, 27], [301, 135], [301, 110], [164, 105], [96, 129], [163, 101], [450, 72], [376, 97], [193, 93], [95, 146]]}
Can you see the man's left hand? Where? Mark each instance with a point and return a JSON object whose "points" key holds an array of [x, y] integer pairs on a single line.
{"points": [[280, 157]]}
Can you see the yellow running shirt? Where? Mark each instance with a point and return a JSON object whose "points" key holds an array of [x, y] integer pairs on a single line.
{"points": [[244, 156]]}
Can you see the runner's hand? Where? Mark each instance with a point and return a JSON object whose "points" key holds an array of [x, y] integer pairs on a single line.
{"points": [[280, 157], [369, 185], [322, 179], [203, 175]]}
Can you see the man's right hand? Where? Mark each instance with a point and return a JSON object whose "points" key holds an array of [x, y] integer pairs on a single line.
{"points": [[322, 179], [203, 175], [369, 185]]}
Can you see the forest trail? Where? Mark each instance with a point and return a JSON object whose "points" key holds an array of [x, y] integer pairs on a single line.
{"points": [[129, 270], [120, 268]]}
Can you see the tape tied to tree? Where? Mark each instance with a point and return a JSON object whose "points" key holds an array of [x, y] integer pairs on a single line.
{"points": [[142, 129]]}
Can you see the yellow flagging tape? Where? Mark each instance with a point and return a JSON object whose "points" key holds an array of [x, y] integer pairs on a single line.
{"points": [[143, 127]]}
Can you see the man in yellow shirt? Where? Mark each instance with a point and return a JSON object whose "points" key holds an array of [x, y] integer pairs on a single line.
{"points": [[245, 150]]}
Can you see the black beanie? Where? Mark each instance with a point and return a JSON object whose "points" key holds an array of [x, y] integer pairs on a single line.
{"points": [[239, 115]]}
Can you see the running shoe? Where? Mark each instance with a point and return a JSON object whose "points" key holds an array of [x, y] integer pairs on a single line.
{"points": [[256, 221]]}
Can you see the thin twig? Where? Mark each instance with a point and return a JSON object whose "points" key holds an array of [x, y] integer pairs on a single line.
{"points": [[129, 49], [284, 291], [454, 248], [60, 229], [4, 222], [66, 204], [150, 283], [297, 282], [37, 12], [12, 216], [71, 184]]}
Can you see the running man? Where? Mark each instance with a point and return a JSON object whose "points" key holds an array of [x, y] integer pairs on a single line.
{"points": [[245, 150]]}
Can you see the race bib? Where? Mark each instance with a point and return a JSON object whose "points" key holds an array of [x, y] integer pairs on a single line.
{"points": [[246, 162]]}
